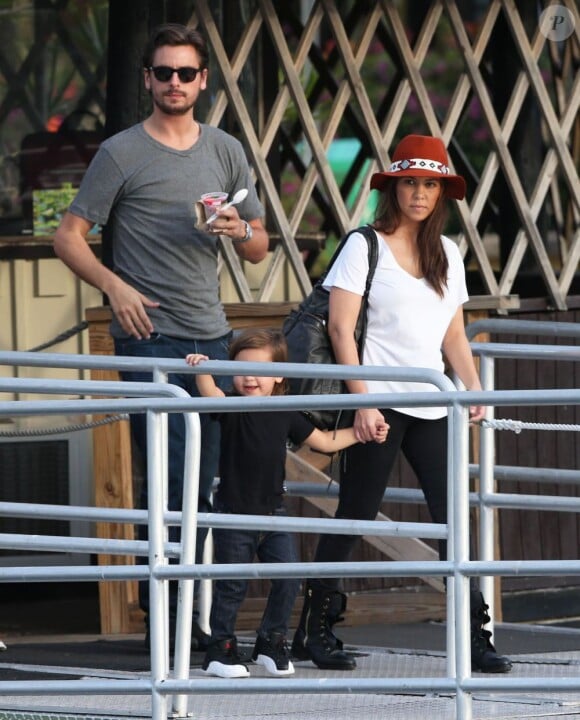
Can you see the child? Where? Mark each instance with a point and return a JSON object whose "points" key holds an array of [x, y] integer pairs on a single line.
{"points": [[252, 460]]}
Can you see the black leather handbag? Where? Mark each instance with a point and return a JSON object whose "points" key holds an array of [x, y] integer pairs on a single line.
{"points": [[306, 331]]}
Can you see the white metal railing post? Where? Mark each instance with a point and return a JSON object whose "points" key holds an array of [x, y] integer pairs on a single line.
{"points": [[205, 586], [450, 597], [188, 547], [460, 421], [486, 487], [161, 377], [158, 587]]}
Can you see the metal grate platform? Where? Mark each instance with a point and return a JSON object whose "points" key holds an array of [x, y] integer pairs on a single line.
{"points": [[378, 662]]}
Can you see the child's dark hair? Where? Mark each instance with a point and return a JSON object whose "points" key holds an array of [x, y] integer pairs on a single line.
{"points": [[258, 338], [175, 34]]}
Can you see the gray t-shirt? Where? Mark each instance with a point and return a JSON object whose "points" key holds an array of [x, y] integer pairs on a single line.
{"points": [[146, 193]]}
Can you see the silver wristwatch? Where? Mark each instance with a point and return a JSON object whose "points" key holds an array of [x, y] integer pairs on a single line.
{"points": [[247, 236]]}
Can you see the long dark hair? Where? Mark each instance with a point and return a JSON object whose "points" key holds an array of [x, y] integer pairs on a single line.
{"points": [[258, 338], [175, 34], [432, 258]]}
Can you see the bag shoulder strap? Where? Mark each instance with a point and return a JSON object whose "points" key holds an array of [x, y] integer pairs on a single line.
{"points": [[373, 249]]}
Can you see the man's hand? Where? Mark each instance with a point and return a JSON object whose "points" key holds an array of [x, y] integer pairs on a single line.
{"points": [[229, 223], [129, 307]]}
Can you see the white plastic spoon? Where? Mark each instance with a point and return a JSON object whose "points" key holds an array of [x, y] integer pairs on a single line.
{"points": [[237, 198]]}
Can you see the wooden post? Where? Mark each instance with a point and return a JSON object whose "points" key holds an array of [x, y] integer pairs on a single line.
{"points": [[113, 481]]}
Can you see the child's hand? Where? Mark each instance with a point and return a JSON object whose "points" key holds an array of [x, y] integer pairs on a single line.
{"points": [[195, 358], [381, 431]]}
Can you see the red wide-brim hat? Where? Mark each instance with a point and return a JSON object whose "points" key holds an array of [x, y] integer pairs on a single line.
{"points": [[421, 156]]}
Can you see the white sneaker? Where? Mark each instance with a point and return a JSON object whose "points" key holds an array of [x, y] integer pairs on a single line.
{"points": [[222, 670], [272, 653], [271, 667], [222, 660]]}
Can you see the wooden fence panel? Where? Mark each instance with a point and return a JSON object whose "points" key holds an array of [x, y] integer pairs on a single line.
{"points": [[539, 534], [330, 64]]}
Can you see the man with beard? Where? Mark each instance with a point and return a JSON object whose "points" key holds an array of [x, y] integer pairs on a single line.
{"points": [[143, 184]]}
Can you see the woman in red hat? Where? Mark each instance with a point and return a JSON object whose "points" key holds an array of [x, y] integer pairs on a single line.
{"points": [[415, 315]]}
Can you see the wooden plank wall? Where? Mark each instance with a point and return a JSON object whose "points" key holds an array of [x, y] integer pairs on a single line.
{"points": [[528, 535]]}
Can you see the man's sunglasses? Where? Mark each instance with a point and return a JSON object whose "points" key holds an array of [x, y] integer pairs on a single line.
{"points": [[164, 73]]}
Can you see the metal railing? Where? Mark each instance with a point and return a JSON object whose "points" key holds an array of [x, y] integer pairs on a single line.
{"points": [[153, 401], [488, 499]]}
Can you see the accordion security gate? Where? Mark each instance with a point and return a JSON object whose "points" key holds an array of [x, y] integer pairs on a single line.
{"points": [[153, 401], [335, 93]]}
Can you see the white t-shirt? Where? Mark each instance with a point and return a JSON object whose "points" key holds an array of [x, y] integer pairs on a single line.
{"points": [[407, 319]]}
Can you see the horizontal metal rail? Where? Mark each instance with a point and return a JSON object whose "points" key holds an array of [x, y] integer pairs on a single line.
{"points": [[268, 686], [390, 568], [213, 367], [223, 520], [541, 328]]}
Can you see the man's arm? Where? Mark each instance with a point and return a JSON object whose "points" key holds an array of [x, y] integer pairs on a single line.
{"points": [[254, 250], [71, 246]]}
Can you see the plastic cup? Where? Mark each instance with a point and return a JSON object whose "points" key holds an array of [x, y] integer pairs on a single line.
{"points": [[212, 201]]}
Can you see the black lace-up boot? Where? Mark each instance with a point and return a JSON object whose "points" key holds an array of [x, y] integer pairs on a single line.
{"points": [[297, 649], [314, 639], [483, 654]]}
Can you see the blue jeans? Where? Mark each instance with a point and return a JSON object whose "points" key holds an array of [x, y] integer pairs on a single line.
{"points": [[168, 347], [242, 546]]}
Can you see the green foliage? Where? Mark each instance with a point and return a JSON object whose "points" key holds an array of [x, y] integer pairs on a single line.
{"points": [[49, 206]]}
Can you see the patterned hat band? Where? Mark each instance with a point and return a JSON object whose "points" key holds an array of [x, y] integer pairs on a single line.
{"points": [[419, 164]]}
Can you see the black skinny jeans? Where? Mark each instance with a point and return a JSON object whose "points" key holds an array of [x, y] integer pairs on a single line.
{"points": [[364, 474]]}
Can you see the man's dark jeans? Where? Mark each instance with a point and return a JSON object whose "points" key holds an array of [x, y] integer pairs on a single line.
{"points": [[168, 347]]}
